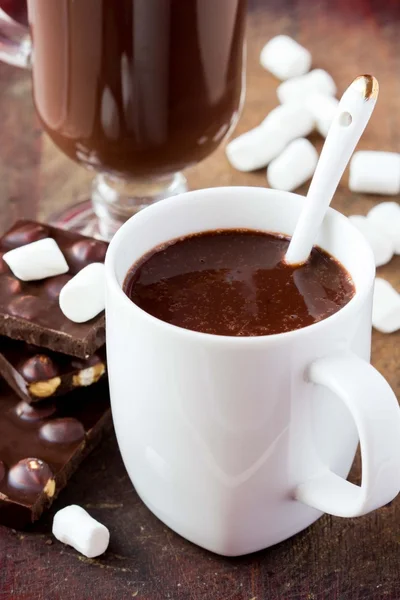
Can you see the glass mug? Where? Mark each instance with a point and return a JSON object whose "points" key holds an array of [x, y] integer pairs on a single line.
{"points": [[136, 90]]}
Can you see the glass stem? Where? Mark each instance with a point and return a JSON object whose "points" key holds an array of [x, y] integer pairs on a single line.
{"points": [[115, 200]]}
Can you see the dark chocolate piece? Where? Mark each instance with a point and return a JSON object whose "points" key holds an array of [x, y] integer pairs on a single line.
{"points": [[30, 311], [40, 449], [36, 374]]}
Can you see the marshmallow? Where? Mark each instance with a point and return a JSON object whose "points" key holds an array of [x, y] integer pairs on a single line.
{"points": [[292, 120], [323, 109], [285, 58], [386, 307], [386, 216], [83, 296], [255, 148], [381, 245], [375, 172], [294, 166], [72, 525], [299, 89], [37, 260]]}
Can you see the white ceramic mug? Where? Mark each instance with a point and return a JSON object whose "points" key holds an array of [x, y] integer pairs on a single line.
{"points": [[239, 443]]}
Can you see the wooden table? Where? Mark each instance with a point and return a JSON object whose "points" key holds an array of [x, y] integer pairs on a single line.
{"points": [[335, 559]]}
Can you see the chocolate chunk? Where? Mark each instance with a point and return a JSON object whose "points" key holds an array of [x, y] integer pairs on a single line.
{"points": [[37, 376], [24, 233], [35, 463], [27, 412], [62, 431], [30, 475], [87, 251], [31, 312]]}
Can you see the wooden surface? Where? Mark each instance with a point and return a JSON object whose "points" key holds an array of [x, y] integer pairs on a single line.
{"points": [[336, 559]]}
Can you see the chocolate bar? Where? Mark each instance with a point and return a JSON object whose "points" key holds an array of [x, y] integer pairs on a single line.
{"points": [[30, 311], [36, 374], [42, 445]]}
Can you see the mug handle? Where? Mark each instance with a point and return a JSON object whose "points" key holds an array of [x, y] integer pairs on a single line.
{"points": [[376, 413], [15, 42]]}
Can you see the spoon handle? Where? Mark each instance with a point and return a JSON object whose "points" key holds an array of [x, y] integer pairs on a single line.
{"points": [[353, 113]]}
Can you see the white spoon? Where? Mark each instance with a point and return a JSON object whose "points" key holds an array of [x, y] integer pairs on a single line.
{"points": [[353, 114]]}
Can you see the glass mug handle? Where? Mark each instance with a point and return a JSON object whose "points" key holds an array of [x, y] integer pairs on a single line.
{"points": [[15, 42], [374, 408]]}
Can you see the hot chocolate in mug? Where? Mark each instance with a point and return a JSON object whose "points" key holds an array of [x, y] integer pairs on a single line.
{"points": [[238, 443]]}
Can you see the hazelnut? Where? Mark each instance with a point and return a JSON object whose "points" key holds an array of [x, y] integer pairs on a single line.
{"points": [[87, 251], [65, 430], [88, 376], [50, 488], [44, 389], [27, 412], [54, 285], [26, 307], [10, 286], [25, 234], [39, 367], [31, 475]]}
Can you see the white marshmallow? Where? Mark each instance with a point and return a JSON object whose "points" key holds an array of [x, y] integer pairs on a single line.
{"points": [[292, 120], [83, 296], [375, 172], [37, 260], [294, 166], [299, 89], [72, 525], [255, 148], [285, 58], [323, 108], [381, 244], [386, 307], [386, 216]]}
